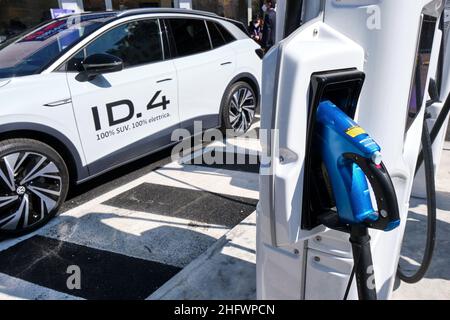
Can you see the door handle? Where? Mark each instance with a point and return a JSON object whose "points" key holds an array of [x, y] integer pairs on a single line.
{"points": [[226, 63], [164, 80], [58, 103]]}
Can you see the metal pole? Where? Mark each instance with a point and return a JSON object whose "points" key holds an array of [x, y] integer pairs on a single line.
{"points": [[108, 5], [249, 10]]}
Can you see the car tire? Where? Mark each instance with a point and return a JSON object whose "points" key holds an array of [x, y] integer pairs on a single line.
{"points": [[238, 108], [34, 182]]}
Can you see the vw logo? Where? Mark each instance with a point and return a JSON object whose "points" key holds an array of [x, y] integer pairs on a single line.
{"points": [[21, 190]]}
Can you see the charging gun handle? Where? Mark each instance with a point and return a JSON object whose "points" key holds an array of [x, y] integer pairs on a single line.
{"points": [[383, 188]]}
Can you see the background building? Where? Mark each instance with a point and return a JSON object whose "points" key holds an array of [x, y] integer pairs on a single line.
{"points": [[19, 15]]}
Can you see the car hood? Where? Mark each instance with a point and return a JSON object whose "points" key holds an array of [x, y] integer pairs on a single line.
{"points": [[4, 82]]}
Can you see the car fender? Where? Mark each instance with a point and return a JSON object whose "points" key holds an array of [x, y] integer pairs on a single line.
{"points": [[13, 129]]}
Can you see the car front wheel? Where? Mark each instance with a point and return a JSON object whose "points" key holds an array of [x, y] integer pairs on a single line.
{"points": [[34, 181]]}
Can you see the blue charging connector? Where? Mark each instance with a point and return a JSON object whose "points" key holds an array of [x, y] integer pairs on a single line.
{"points": [[351, 157]]}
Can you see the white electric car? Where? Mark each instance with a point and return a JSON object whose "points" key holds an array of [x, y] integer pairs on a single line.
{"points": [[83, 94]]}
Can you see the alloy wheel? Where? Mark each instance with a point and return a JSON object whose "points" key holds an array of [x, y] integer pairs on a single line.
{"points": [[30, 188], [242, 109]]}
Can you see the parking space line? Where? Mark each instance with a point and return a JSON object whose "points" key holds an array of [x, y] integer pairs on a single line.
{"points": [[138, 234], [12, 288]]}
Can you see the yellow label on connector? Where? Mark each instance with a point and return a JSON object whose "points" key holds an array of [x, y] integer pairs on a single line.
{"points": [[355, 131]]}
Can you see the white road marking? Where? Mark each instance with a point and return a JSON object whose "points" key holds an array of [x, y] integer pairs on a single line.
{"points": [[16, 289]]}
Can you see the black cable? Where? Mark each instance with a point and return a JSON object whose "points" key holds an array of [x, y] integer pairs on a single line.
{"points": [[427, 153], [436, 128], [440, 119], [349, 284], [352, 275]]}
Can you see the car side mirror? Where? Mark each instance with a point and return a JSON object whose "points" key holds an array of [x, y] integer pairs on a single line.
{"points": [[101, 63]]}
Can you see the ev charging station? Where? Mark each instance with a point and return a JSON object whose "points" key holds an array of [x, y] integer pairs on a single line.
{"points": [[345, 95]]}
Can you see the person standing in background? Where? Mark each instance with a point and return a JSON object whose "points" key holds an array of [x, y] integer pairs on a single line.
{"points": [[255, 30], [270, 22]]}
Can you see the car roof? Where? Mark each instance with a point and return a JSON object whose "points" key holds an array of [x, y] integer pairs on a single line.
{"points": [[131, 12], [134, 12]]}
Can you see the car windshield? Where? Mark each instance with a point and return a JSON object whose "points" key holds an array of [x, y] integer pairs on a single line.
{"points": [[35, 50]]}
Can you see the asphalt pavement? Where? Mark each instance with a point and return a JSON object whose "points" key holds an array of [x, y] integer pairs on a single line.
{"points": [[125, 234]]}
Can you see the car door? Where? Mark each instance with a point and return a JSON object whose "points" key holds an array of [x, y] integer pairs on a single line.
{"points": [[125, 114], [203, 70]]}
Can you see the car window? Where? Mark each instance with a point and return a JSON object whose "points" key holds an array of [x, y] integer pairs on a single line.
{"points": [[33, 51], [217, 39], [190, 36], [225, 33], [136, 43]]}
